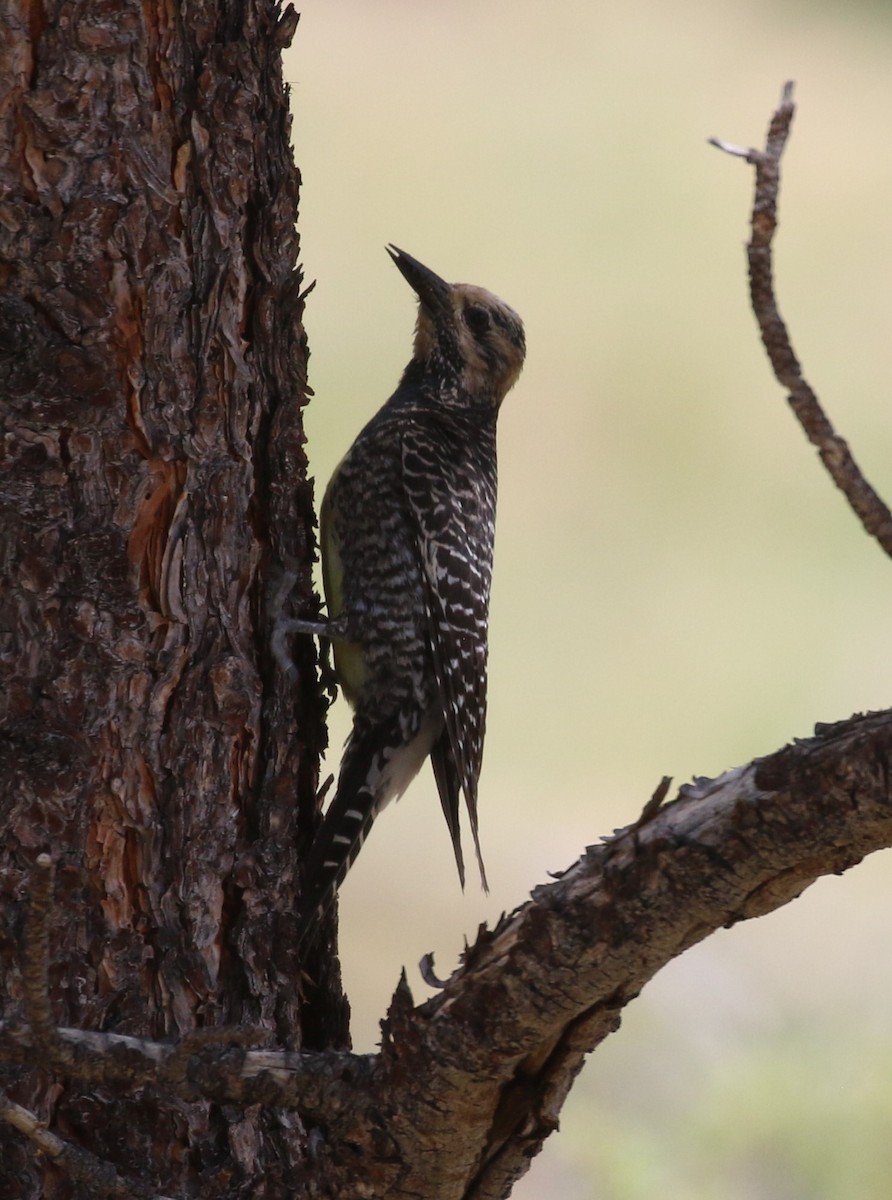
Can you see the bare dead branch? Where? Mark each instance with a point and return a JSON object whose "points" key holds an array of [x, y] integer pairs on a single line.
{"points": [[186, 1054], [101, 1177], [832, 449], [213, 1064]]}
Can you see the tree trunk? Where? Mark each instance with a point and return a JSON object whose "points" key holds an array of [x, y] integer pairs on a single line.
{"points": [[154, 503]]}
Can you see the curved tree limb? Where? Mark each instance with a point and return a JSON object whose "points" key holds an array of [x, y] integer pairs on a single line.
{"points": [[833, 450], [474, 1079]]}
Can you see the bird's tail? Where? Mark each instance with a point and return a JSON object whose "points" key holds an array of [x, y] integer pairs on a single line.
{"points": [[379, 762]]}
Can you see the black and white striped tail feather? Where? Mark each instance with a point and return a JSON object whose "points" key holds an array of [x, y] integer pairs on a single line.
{"points": [[334, 852], [379, 763], [345, 827]]}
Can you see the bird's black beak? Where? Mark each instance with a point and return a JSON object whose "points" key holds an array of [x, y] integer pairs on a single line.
{"points": [[433, 292]]}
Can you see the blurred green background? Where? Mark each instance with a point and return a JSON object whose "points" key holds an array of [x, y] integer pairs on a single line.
{"points": [[678, 587]]}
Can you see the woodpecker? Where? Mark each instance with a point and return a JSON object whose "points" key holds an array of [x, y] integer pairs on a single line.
{"points": [[406, 534]]}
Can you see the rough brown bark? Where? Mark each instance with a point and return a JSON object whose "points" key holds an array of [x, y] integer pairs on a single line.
{"points": [[152, 368]]}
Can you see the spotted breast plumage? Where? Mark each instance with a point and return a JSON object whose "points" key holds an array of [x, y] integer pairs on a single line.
{"points": [[406, 531]]}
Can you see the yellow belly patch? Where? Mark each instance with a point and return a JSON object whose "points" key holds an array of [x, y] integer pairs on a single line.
{"points": [[348, 656]]}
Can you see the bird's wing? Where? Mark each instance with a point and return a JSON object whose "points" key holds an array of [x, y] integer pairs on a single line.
{"points": [[454, 527]]}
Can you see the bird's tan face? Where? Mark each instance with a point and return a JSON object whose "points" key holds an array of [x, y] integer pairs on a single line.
{"points": [[486, 333], [470, 338]]}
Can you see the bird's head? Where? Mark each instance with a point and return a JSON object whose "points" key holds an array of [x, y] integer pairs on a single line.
{"points": [[464, 332]]}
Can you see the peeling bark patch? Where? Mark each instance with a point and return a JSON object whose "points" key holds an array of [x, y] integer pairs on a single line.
{"points": [[148, 546]]}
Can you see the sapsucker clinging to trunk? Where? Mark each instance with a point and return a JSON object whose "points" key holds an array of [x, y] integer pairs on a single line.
{"points": [[406, 531]]}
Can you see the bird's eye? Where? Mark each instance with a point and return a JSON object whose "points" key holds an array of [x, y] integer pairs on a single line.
{"points": [[477, 319]]}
